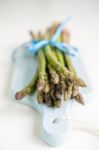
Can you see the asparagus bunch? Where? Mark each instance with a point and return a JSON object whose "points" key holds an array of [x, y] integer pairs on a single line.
{"points": [[55, 75]]}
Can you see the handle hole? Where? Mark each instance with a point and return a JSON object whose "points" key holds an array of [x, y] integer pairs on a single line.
{"points": [[59, 120]]}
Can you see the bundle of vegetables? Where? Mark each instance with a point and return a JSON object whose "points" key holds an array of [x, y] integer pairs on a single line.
{"points": [[55, 75]]}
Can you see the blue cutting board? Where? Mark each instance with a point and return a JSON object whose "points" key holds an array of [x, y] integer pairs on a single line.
{"points": [[54, 131]]}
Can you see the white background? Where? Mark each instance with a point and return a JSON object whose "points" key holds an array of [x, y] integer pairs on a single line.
{"points": [[19, 124]]}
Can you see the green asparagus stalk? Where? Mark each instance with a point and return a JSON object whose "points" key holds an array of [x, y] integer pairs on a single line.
{"points": [[70, 66], [65, 38], [30, 88], [60, 57], [67, 90], [42, 70], [57, 52], [43, 84], [60, 86], [60, 54], [68, 85], [75, 91], [61, 60], [51, 31]]}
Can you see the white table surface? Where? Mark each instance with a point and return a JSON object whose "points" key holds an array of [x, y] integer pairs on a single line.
{"points": [[19, 124]]}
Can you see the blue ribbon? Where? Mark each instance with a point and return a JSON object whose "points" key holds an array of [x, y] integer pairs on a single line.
{"points": [[35, 45]]}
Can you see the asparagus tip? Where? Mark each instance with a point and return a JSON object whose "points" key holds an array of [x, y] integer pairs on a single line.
{"points": [[81, 83], [48, 100], [20, 95], [57, 103], [79, 99], [40, 97], [41, 85], [58, 91], [65, 95]]}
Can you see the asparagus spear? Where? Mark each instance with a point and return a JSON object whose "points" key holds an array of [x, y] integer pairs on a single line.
{"points": [[60, 86], [42, 70], [67, 89], [75, 91], [30, 88], [61, 60], [72, 69], [60, 54], [53, 74], [65, 38], [56, 89], [69, 64], [60, 57], [43, 84], [50, 33]]}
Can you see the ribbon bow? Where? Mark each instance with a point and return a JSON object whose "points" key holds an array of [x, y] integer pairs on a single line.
{"points": [[35, 45]]}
